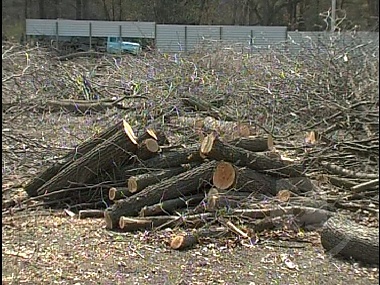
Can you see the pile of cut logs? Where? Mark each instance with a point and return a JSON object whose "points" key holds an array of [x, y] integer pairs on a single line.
{"points": [[146, 182]]}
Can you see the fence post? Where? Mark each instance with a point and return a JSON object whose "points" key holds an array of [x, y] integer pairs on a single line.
{"points": [[90, 30], [185, 38], [220, 33], [56, 34], [251, 42], [120, 38]]}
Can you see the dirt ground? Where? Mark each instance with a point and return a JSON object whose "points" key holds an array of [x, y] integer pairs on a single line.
{"points": [[42, 246], [51, 248]]}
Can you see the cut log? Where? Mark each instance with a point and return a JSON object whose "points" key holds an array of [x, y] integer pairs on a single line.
{"points": [[252, 143], [214, 148], [182, 184], [148, 223], [118, 193], [83, 148], [295, 184], [345, 238], [147, 149], [109, 154], [228, 129], [139, 182], [91, 214], [249, 180], [181, 242], [169, 206], [305, 216], [224, 175], [169, 158]]}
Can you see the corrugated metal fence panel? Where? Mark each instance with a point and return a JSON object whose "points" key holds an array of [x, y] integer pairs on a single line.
{"points": [[127, 29], [262, 37], [170, 38], [40, 27], [139, 29], [197, 34], [73, 28]]}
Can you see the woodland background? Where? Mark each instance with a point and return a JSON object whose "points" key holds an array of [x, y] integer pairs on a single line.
{"points": [[302, 15]]}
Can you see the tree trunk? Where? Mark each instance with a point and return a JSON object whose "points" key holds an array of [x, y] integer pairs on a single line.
{"points": [[139, 182], [41, 9], [349, 239], [212, 147], [106, 156], [180, 185]]}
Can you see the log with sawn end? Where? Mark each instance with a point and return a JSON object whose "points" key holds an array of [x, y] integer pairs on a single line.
{"points": [[117, 193], [254, 143], [214, 148], [243, 179], [147, 223], [182, 184], [111, 153], [167, 159], [169, 206], [139, 182], [32, 187]]}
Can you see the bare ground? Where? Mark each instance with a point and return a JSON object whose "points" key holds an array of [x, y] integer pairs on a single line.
{"points": [[51, 248]]}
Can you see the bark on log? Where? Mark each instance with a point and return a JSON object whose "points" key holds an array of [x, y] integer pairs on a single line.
{"points": [[168, 159], [109, 154], [91, 214], [228, 129], [295, 184], [249, 180], [83, 148], [343, 237], [214, 148], [305, 216], [139, 182], [181, 242], [255, 144], [148, 223], [169, 206], [180, 185]]}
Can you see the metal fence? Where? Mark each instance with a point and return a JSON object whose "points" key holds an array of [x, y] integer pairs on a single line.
{"points": [[184, 38]]}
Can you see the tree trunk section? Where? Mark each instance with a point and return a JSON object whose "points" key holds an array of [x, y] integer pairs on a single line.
{"points": [[181, 242], [107, 155], [83, 148], [212, 147], [224, 175], [169, 206], [180, 185], [348, 239], [139, 182], [137, 224], [168, 159]]}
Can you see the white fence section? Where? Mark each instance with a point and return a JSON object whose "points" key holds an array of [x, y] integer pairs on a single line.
{"points": [[179, 38], [83, 28], [183, 38]]}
